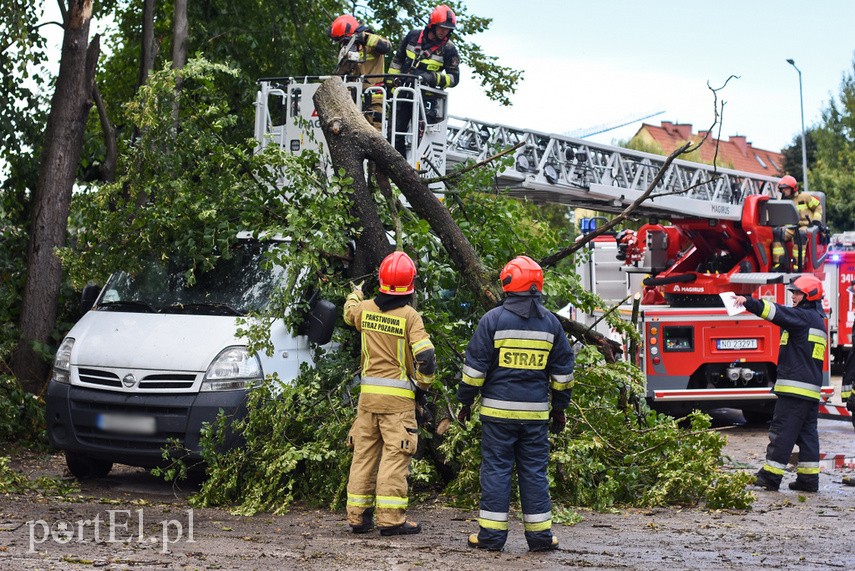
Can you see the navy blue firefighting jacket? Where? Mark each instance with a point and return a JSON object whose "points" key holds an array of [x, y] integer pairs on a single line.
{"points": [[517, 356], [803, 343]]}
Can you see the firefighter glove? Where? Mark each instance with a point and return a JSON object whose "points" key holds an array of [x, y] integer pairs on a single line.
{"points": [[428, 78], [464, 415], [557, 421]]}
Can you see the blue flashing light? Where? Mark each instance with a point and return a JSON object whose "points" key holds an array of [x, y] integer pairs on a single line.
{"points": [[835, 259]]}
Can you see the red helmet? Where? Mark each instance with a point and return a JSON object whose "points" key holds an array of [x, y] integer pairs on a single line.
{"points": [[444, 17], [343, 27], [811, 286], [521, 274], [788, 182], [397, 274]]}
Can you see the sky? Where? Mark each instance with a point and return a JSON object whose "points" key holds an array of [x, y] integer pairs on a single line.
{"points": [[606, 62], [600, 63]]}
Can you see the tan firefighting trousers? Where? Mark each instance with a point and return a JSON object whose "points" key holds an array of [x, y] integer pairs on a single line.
{"points": [[382, 446]]}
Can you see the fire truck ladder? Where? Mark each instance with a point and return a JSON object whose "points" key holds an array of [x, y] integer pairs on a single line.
{"points": [[557, 168]]}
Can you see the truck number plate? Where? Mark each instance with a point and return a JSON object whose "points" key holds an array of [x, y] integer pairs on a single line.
{"points": [[127, 424], [735, 344]]}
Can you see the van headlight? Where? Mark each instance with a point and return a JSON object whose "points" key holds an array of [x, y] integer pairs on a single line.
{"points": [[62, 362], [233, 369]]}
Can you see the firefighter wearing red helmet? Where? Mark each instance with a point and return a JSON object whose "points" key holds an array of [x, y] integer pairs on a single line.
{"points": [[362, 53], [397, 357], [429, 54], [810, 213], [517, 358], [804, 341]]}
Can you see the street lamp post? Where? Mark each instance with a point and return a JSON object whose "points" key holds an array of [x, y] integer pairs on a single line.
{"points": [[804, 144]]}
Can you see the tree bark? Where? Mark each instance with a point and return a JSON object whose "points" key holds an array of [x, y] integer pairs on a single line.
{"points": [[179, 51], [147, 47], [351, 140], [70, 107], [108, 168]]}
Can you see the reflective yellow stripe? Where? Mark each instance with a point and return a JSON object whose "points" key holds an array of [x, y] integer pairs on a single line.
{"points": [[421, 346], [491, 524], [392, 502], [515, 414], [523, 344], [538, 526], [472, 381], [767, 309], [391, 391], [807, 470], [560, 386], [773, 469], [360, 501], [789, 386], [814, 395]]}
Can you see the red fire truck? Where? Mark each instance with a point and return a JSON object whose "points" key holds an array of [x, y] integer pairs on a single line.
{"points": [[839, 275], [695, 354]]}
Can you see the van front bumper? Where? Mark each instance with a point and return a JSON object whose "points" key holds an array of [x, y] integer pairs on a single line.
{"points": [[134, 429]]}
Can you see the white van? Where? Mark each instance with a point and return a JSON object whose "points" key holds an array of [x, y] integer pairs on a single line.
{"points": [[153, 359]]}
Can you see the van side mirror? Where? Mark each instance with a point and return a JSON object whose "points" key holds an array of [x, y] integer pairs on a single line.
{"points": [[88, 297], [320, 322]]}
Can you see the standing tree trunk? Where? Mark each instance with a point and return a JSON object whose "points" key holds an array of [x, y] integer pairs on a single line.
{"points": [[179, 51], [70, 107], [147, 46]]}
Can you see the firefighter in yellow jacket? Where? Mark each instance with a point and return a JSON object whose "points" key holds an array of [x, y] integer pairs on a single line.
{"points": [[810, 213], [362, 53], [397, 357]]}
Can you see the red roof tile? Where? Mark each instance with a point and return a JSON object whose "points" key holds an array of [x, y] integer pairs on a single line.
{"points": [[736, 152]]}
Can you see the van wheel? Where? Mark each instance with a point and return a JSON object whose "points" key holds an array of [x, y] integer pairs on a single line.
{"points": [[83, 467]]}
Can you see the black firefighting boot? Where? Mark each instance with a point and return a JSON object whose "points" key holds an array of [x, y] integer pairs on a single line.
{"points": [[473, 542], [367, 522], [551, 546], [406, 528], [764, 481], [805, 485]]}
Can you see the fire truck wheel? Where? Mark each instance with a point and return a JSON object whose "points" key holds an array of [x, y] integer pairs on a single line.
{"points": [[753, 416]]}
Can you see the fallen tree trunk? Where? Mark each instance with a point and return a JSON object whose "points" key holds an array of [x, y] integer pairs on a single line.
{"points": [[351, 140]]}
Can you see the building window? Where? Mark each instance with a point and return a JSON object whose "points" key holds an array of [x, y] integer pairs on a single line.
{"points": [[759, 160], [774, 164]]}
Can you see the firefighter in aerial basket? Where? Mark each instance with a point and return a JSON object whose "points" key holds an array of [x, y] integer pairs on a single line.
{"points": [[518, 355], [800, 358], [397, 357], [809, 210]]}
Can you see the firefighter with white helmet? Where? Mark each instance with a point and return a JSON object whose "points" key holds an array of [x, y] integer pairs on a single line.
{"points": [[397, 357], [810, 213], [804, 340], [518, 355]]}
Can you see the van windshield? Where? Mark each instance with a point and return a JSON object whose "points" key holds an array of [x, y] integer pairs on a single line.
{"points": [[237, 285]]}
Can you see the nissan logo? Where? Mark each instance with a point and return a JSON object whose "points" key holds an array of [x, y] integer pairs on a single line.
{"points": [[129, 380]]}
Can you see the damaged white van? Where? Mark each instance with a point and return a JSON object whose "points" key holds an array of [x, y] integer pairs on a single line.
{"points": [[153, 358]]}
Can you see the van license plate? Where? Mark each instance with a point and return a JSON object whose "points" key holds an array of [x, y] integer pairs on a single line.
{"points": [[127, 424], [735, 344]]}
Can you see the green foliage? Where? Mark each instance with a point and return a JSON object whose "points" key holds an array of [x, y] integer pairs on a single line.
{"points": [[14, 482], [294, 444], [834, 170], [616, 452], [22, 418]]}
